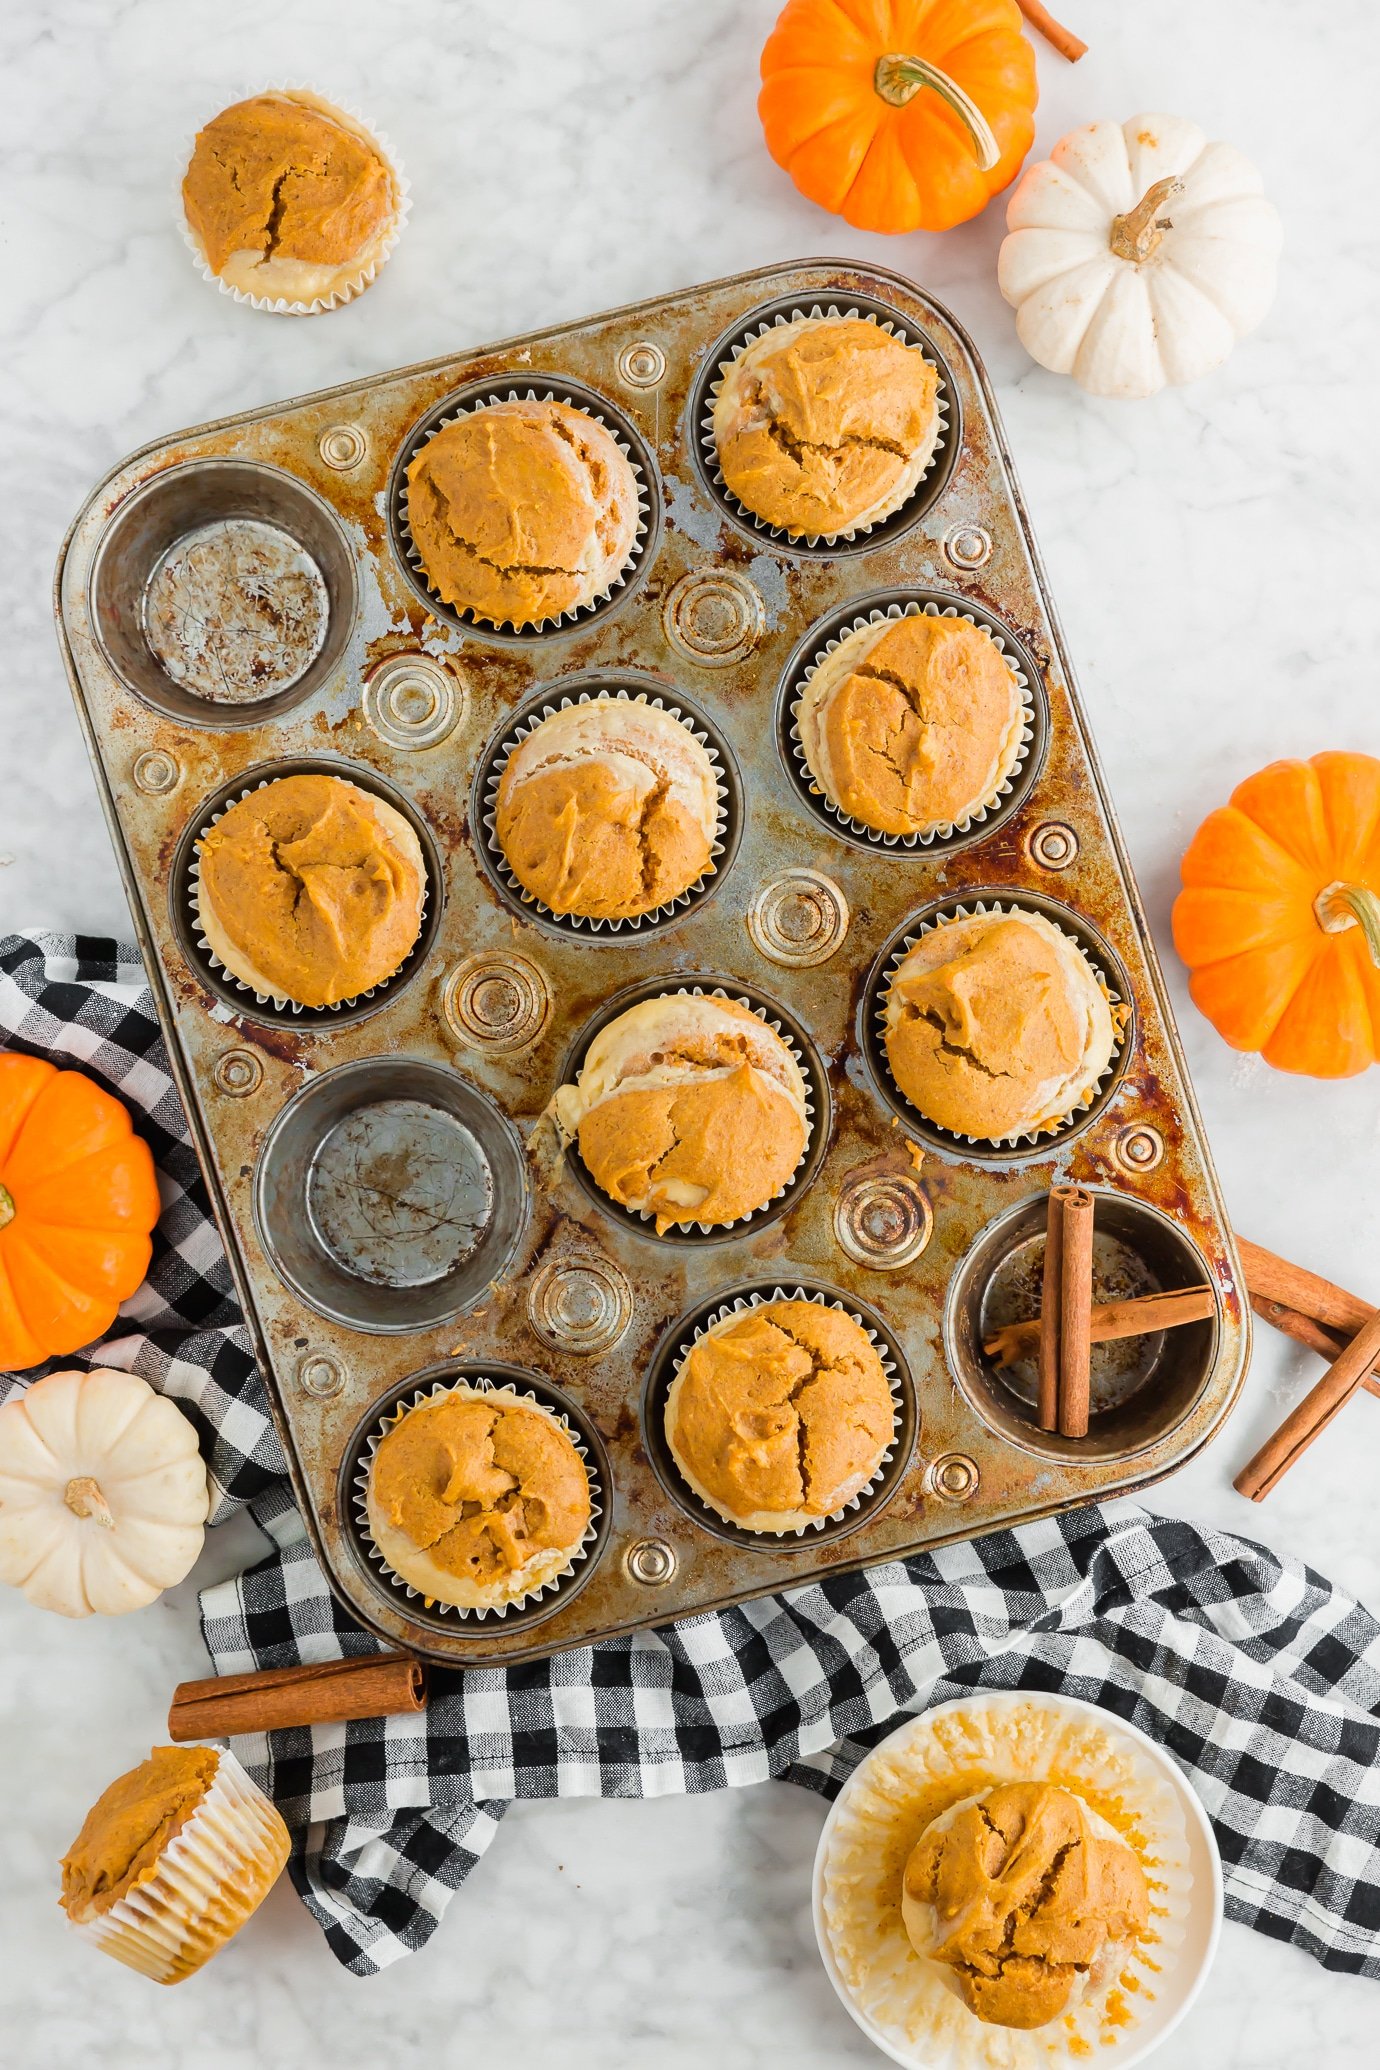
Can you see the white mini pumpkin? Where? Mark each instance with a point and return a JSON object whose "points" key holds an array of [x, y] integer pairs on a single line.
{"points": [[103, 1493], [1138, 254]]}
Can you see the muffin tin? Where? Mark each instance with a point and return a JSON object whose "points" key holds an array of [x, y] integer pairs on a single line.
{"points": [[297, 1115]]}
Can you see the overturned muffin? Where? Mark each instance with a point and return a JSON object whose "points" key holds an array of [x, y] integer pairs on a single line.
{"points": [[780, 1415], [478, 1497], [310, 889], [522, 511], [1020, 1891], [608, 809], [997, 1025], [825, 424], [912, 725], [688, 1109], [289, 198]]}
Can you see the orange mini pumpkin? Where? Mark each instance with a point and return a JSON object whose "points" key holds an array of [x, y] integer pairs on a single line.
{"points": [[78, 1199], [899, 114], [1279, 917]]}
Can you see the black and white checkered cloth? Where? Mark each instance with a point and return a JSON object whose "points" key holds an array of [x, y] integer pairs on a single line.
{"points": [[1261, 1679]]}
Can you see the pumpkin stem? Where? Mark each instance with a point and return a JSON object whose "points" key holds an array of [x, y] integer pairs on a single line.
{"points": [[1339, 906], [899, 78], [6, 1207], [84, 1498], [1138, 233]]}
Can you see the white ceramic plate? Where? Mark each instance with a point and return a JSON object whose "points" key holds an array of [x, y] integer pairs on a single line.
{"points": [[1203, 1927]]}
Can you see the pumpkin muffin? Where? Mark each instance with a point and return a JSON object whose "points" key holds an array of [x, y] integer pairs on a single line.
{"points": [[287, 197], [478, 1497], [310, 889], [780, 1414], [688, 1109], [171, 1860], [1021, 1891], [912, 725], [608, 809], [521, 511], [997, 1026], [825, 425]]}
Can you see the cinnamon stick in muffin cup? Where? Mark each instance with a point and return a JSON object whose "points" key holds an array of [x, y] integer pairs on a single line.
{"points": [[1050, 1309], [1075, 1311]]}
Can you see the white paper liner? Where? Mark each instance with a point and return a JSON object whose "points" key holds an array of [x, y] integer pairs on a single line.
{"points": [[279, 305], [280, 1001], [740, 1305], [656, 916], [942, 830], [681, 1229], [209, 1878], [1119, 1011], [831, 312], [933, 1762], [522, 391], [507, 1394]]}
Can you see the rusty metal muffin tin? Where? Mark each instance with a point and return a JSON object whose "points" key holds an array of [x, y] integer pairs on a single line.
{"points": [[915, 1228]]}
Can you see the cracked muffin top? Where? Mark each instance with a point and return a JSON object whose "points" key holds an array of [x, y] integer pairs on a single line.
{"points": [[310, 889], [1019, 1891], [996, 1025], [825, 424], [780, 1415], [521, 511], [608, 809], [477, 1497], [911, 725], [288, 197], [126, 1830], [687, 1109]]}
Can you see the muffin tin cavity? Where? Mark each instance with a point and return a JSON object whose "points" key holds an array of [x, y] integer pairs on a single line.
{"points": [[390, 1194], [872, 1011], [354, 1467], [895, 604], [1143, 1388], [675, 1345], [223, 593], [252, 1006], [787, 309], [812, 1069], [478, 395], [517, 728]]}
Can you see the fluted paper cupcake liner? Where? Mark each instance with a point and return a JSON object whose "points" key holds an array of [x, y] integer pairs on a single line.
{"points": [[742, 1304], [912, 2001], [281, 1001], [832, 313], [942, 830], [658, 915], [1120, 1013], [278, 305], [524, 391], [213, 1873], [506, 1394]]}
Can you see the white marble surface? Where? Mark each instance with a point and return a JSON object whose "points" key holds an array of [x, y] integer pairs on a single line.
{"points": [[1213, 557]]}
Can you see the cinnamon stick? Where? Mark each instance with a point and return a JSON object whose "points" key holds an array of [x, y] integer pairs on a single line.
{"points": [[1109, 1319], [1304, 1330], [1342, 1379], [371, 1685], [1047, 1328], [1064, 41], [1276, 1279], [1075, 1312]]}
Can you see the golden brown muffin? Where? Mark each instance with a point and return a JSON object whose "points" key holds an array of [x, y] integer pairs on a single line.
{"points": [[780, 1414], [522, 511], [130, 1824], [311, 889], [288, 197], [688, 1109], [825, 424], [478, 1497], [608, 809], [997, 1026], [1019, 1891], [911, 725]]}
